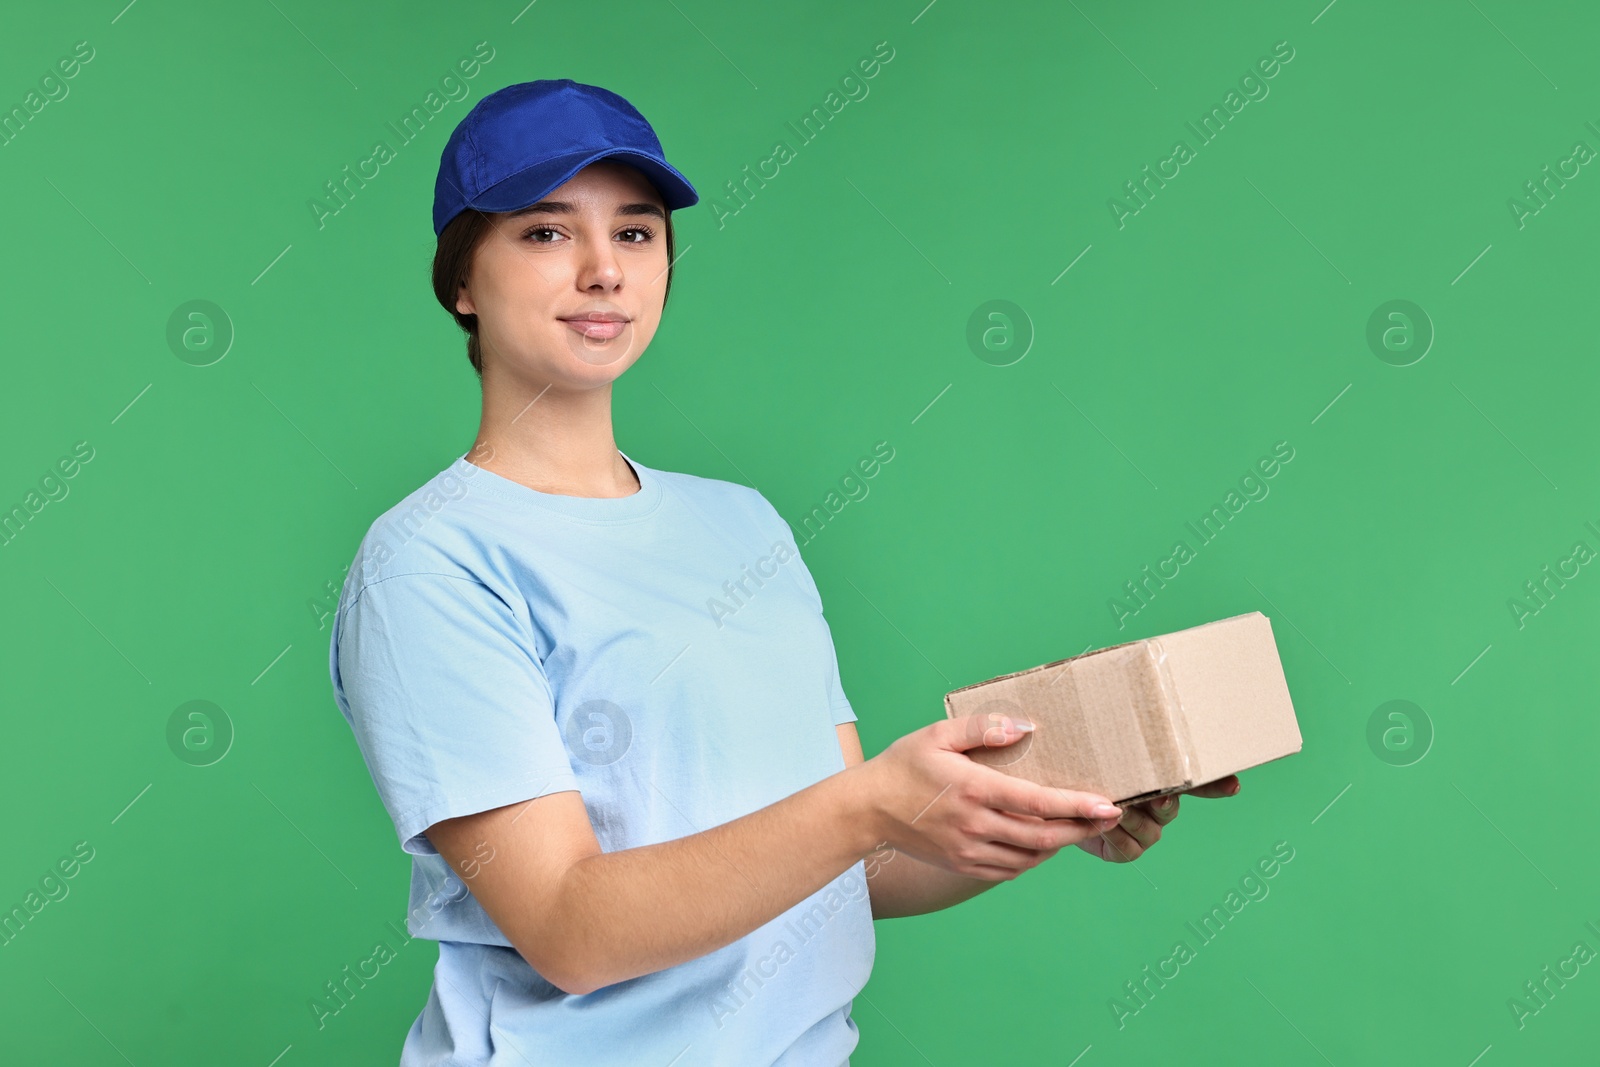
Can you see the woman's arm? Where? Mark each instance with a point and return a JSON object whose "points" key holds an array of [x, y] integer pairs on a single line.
{"points": [[585, 919]]}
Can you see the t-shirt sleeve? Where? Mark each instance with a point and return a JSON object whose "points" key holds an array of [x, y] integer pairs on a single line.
{"points": [[842, 711], [451, 707], [838, 703]]}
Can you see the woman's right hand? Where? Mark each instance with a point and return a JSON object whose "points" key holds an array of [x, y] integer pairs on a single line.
{"points": [[935, 804]]}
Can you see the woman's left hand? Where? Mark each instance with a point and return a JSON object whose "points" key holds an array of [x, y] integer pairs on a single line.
{"points": [[1140, 825]]}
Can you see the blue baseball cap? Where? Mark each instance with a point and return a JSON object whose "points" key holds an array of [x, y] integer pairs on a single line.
{"points": [[520, 142]]}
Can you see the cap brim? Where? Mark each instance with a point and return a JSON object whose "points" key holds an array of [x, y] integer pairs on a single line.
{"points": [[531, 185]]}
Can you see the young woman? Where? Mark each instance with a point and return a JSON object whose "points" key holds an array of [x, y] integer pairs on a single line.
{"points": [[642, 829]]}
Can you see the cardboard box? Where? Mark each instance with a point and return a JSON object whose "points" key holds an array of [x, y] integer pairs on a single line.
{"points": [[1147, 717]]}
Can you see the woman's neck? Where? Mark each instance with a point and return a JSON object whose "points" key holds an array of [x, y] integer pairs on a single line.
{"points": [[559, 443]]}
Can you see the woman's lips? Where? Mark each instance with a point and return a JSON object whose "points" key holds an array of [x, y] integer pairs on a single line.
{"points": [[598, 331]]}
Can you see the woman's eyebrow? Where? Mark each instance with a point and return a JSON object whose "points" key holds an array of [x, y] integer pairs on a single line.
{"points": [[562, 207]]}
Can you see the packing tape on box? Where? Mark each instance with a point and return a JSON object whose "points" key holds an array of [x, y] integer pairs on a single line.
{"points": [[1177, 721]]}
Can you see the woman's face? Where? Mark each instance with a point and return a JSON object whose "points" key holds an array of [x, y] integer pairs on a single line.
{"points": [[568, 291]]}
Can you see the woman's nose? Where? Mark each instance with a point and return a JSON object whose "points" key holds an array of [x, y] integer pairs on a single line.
{"points": [[598, 264]]}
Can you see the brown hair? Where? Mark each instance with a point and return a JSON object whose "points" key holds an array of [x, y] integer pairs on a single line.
{"points": [[453, 257]]}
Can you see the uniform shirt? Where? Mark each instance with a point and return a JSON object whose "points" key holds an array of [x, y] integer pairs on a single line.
{"points": [[665, 655]]}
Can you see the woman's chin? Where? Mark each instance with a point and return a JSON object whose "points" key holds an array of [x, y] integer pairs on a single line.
{"points": [[570, 372]]}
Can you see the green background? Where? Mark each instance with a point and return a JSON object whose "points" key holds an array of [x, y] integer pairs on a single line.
{"points": [[189, 560]]}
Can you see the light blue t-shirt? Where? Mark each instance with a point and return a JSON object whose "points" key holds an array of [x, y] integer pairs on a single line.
{"points": [[665, 655]]}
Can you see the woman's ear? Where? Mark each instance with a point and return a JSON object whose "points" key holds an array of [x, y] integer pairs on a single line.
{"points": [[464, 301]]}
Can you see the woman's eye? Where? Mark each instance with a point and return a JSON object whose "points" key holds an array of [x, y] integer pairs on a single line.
{"points": [[646, 231], [537, 230]]}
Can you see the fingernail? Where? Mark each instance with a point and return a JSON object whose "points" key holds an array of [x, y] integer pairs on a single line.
{"points": [[1166, 804], [1022, 726], [1107, 809]]}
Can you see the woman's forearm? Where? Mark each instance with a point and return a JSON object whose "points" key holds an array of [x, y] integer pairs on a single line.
{"points": [[902, 885], [634, 911]]}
